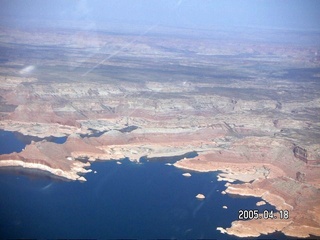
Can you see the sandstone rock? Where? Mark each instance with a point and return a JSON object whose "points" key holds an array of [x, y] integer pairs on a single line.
{"points": [[186, 174], [222, 230], [82, 179], [260, 203], [200, 196]]}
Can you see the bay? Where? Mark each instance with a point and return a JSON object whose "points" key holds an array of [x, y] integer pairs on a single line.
{"points": [[150, 200]]}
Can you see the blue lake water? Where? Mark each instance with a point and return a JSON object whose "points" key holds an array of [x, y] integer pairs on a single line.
{"points": [[9, 143], [149, 200], [15, 142]]}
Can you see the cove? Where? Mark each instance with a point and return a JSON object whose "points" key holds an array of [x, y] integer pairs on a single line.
{"points": [[9, 143], [137, 201], [15, 142]]}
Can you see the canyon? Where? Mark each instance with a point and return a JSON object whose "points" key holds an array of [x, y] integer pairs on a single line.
{"points": [[241, 102]]}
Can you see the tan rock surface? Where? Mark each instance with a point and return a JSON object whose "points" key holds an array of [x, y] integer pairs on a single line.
{"points": [[260, 203], [254, 228], [186, 174], [200, 196]]}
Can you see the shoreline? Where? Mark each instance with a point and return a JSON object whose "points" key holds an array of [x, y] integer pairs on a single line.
{"points": [[257, 175], [258, 188], [73, 174], [256, 178]]}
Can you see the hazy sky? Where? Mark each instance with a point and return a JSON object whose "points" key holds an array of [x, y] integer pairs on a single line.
{"points": [[294, 14]]}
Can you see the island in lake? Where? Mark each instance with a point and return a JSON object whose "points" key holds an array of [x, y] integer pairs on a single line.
{"points": [[245, 103]]}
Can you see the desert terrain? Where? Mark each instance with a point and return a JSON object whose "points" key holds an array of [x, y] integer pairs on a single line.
{"points": [[242, 101]]}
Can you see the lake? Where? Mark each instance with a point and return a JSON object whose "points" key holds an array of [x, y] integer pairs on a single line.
{"points": [[148, 200]]}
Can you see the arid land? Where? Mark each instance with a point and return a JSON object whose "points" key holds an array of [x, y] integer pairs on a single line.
{"points": [[241, 101]]}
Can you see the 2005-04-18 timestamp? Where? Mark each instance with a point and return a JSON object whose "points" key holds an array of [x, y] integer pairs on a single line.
{"points": [[266, 214]]}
